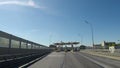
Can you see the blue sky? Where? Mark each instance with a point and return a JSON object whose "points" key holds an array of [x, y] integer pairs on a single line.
{"points": [[48, 21]]}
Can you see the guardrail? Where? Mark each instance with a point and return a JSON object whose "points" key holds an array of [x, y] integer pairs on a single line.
{"points": [[104, 52], [16, 51], [10, 41]]}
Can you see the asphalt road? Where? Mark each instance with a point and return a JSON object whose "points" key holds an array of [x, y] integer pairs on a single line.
{"points": [[75, 60]]}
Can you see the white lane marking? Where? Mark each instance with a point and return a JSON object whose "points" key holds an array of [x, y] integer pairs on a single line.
{"points": [[97, 62]]}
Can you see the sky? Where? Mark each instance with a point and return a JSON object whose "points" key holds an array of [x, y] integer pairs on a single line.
{"points": [[50, 21]]}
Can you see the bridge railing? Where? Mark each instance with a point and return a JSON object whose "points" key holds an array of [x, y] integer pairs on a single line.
{"points": [[11, 41], [11, 45], [15, 51]]}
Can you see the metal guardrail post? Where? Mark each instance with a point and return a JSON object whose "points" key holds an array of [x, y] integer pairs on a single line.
{"points": [[26, 45], [20, 44], [10, 42], [31, 46]]}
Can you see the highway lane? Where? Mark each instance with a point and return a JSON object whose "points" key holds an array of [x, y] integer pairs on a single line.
{"points": [[103, 61], [75, 60], [53, 60], [85, 62]]}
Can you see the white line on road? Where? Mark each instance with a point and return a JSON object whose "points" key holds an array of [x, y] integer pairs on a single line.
{"points": [[97, 62]]}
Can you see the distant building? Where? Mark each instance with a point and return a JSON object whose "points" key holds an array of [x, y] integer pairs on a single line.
{"points": [[97, 46], [117, 46], [53, 46], [89, 47], [82, 47], [106, 45]]}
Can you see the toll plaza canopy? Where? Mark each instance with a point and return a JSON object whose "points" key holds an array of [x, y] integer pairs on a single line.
{"points": [[67, 43], [61, 44]]}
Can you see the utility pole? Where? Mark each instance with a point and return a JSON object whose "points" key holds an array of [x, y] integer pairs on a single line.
{"points": [[91, 31]]}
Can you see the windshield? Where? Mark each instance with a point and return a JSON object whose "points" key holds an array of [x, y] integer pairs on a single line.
{"points": [[59, 33]]}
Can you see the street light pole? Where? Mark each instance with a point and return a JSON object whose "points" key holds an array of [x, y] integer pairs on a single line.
{"points": [[91, 32], [81, 37]]}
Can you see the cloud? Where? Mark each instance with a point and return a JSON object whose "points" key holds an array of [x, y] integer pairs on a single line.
{"points": [[29, 3]]}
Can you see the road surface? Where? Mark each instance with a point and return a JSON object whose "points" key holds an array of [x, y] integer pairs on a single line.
{"points": [[75, 60]]}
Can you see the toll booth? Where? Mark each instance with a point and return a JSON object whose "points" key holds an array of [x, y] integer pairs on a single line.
{"points": [[65, 44]]}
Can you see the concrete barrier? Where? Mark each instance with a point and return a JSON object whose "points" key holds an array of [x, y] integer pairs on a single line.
{"points": [[103, 53]]}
